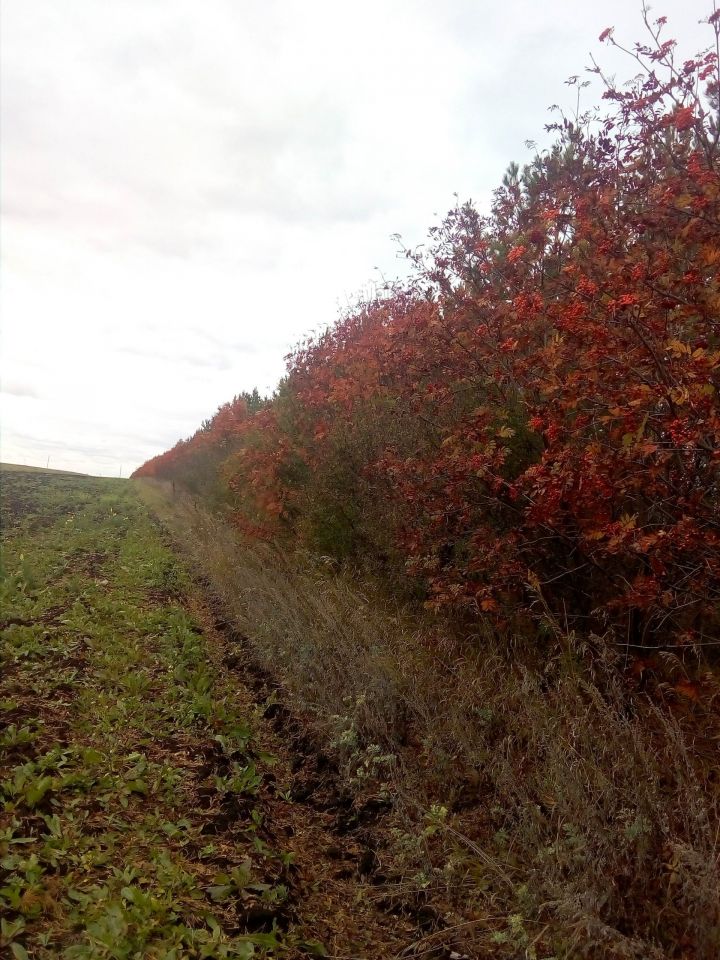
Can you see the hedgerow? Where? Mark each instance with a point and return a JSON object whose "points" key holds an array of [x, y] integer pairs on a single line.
{"points": [[530, 421]]}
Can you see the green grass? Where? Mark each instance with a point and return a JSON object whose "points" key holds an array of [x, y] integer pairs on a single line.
{"points": [[131, 824]]}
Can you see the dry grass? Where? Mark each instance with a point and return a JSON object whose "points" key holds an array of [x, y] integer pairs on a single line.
{"points": [[542, 808]]}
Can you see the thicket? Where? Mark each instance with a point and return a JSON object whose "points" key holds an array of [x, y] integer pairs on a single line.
{"points": [[195, 463], [530, 422]]}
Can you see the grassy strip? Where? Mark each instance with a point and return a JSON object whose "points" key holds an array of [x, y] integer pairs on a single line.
{"points": [[130, 821]]}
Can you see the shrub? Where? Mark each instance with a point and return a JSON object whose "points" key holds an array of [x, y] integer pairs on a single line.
{"points": [[533, 416]]}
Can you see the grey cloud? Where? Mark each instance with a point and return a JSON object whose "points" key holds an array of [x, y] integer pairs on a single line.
{"points": [[215, 361], [117, 448], [241, 346], [19, 390], [178, 246]]}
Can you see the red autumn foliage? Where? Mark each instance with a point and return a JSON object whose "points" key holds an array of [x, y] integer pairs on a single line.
{"points": [[535, 413], [195, 462]]}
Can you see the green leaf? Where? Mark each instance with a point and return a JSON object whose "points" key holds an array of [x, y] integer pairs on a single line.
{"points": [[243, 951], [10, 929], [137, 786], [264, 939], [37, 791], [220, 892], [313, 947]]}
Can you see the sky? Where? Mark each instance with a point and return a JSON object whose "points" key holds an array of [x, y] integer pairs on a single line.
{"points": [[189, 187]]}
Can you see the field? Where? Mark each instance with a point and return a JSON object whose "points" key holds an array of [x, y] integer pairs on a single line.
{"points": [[21, 468], [146, 788]]}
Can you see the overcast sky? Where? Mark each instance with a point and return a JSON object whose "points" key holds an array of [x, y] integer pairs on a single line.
{"points": [[190, 186]]}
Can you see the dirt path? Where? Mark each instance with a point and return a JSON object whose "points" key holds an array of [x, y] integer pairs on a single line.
{"points": [[309, 814]]}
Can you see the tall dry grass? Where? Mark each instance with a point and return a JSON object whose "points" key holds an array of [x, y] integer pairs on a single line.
{"points": [[540, 806]]}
